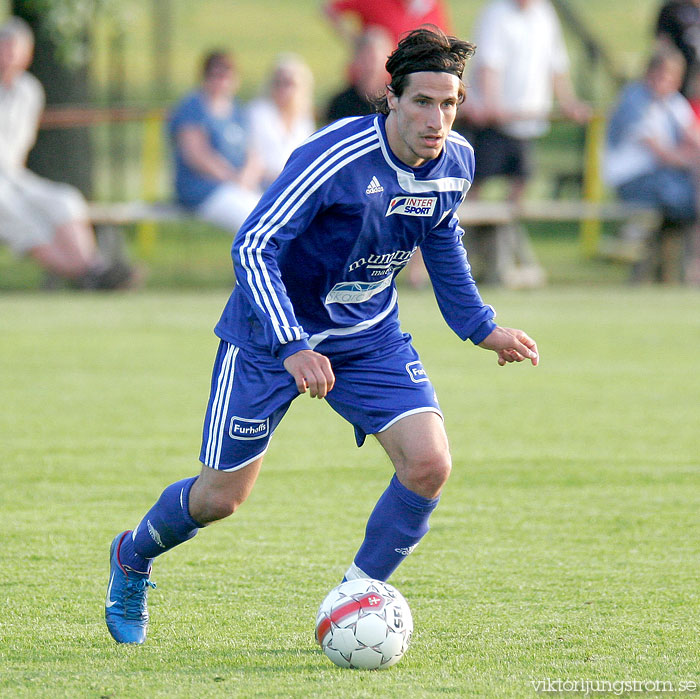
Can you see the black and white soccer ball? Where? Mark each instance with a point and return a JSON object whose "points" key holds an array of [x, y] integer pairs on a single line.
{"points": [[364, 624]]}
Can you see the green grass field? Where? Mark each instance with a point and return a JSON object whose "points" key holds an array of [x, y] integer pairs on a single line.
{"points": [[566, 545]]}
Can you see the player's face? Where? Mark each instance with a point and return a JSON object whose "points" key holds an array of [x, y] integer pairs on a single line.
{"points": [[420, 120]]}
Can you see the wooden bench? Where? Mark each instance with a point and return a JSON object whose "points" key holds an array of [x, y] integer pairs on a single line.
{"points": [[500, 248], [493, 230]]}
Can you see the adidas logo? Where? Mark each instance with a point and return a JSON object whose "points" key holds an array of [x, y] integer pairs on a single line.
{"points": [[155, 535], [374, 187]]}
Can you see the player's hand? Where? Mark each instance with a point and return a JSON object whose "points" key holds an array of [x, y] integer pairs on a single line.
{"points": [[311, 371], [511, 346]]}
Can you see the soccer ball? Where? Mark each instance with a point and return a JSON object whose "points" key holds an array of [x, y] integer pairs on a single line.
{"points": [[364, 624]]}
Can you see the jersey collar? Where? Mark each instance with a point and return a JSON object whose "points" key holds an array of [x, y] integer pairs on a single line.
{"points": [[418, 180]]}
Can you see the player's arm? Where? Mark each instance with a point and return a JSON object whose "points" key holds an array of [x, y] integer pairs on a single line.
{"points": [[283, 213], [461, 304], [455, 289]]}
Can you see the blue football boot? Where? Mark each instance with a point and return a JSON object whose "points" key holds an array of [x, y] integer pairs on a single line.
{"points": [[126, 611]]}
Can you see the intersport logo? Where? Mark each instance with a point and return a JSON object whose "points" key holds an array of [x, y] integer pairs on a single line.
{"points": [[412, 206]]}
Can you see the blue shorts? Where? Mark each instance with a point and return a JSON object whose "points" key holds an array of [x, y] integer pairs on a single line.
{"points": [[251, 392]]}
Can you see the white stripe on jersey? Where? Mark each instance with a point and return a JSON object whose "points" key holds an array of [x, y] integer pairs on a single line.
{"points": [[331, 127], [459, 139], [219, 407], [272, 216], [289, 201], [317, 338], [408, 180]]}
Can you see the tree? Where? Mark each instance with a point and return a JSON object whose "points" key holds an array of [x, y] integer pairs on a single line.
{"points": [[61, 64]]}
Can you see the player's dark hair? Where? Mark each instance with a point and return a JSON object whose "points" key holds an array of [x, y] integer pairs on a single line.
{"points": [[427, 49], [216, 60]]}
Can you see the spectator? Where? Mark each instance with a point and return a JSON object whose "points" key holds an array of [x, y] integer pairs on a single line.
{"points": [[520, 64], [216, 172], [368, 76], [653, 156], [45, 220], [678, 24], [283, 118], [394, 16]]}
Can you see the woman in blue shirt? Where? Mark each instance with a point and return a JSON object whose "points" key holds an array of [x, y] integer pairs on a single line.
{"points": [[216, 175]]}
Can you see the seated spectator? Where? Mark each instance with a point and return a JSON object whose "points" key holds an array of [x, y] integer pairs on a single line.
{"points": [[652, 157], [283, 118], [678, 24], [45, 220], [216, 171], [368, 76]]}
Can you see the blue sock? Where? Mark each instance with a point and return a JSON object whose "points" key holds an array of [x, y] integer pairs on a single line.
{"points": [[397, 523], [167, 524]]}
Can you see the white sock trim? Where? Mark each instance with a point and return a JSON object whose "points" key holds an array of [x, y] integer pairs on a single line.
{"points": [[355, 573]]}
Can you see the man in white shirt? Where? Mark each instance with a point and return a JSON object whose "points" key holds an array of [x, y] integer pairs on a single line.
{"points": [[520, 65], [45, 220]]}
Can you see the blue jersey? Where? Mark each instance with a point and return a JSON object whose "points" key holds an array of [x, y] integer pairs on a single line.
{"points": [[316, 261]]}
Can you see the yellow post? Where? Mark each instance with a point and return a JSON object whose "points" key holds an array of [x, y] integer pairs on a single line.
{"points": [[592, 183], [151, 158]]}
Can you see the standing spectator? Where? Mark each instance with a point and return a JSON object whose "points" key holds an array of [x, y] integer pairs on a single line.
{"points": [[283, 118], [394, 16], [521, 63], [679, 24], [653, 158], [368, 76], [45, 220], [216, 173]]}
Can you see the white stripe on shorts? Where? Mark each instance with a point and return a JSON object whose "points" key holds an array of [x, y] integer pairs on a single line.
{"points": [[219, 408], [427, 409]]}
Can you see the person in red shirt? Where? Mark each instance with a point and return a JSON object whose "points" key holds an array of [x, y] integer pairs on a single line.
{"points": [[394, 16]]}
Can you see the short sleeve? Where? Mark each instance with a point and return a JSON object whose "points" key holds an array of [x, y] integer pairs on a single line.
{"points": [[190, 112], [560, 57]]}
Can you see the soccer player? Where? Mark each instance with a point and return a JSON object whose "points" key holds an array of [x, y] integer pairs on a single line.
{"points": [[314, 310]]}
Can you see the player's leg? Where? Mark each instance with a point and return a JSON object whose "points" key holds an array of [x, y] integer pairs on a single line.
{"points": [[249, 396], [182, 509], [387, 393], [417, 446]]}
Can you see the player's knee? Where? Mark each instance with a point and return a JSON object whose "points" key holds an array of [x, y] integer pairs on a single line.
{"points": [[428, 474], [215, 504]]}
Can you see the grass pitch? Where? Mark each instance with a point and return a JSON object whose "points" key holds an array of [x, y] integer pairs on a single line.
{"points": [[565, 547]]}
